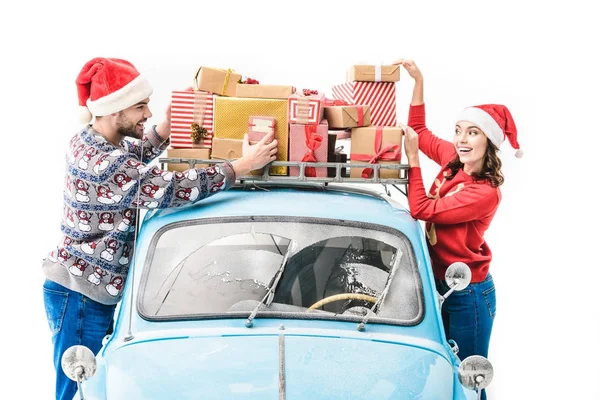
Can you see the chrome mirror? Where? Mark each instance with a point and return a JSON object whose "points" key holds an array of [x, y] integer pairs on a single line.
{"points": [[79, 364], [458, 277], [476, 373]]}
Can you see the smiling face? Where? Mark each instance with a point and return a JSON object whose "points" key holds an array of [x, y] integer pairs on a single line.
{"points": [[130, 122], [471, 144]]}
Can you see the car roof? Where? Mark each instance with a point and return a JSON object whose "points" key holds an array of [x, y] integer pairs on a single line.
{"points": [[333, 201]]}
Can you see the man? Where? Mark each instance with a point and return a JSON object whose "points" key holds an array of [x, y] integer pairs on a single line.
{"points": [[108, 175]]}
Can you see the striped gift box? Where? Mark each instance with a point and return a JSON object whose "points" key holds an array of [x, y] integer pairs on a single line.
{"points": [[379, 96], [188, 107]]}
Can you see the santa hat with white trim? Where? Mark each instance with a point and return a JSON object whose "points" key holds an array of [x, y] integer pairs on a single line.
{"points": [[109, 85], [496, 122]]}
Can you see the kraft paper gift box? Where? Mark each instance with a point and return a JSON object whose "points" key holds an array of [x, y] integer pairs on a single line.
{"points": [[233, 113], [375, 144], [306, 110], [259, 126], [309, 143], [229, 149], [264, 91], [351, 116], [199, 154], [373, 73], [379, 96], [187, 108], [218, 81]]}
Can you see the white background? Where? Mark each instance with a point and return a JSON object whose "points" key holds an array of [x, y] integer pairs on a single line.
{"points": [[536, 60]]}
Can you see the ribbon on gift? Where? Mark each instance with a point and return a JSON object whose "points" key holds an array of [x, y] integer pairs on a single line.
{"points": [[228, 72], [390, 152], [313, 142], [334, 102], [303, 110], [378, 73]]}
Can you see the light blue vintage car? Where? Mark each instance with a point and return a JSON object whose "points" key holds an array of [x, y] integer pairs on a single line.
{"points": [[282, 289]]}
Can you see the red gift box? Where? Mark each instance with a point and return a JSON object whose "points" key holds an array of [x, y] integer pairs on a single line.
{"points": [[379, 96], [187, 108], [258, 127], [309, 143], [306, 110]]}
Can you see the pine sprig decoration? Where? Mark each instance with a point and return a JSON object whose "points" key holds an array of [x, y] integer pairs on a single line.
{"points": [[198, 132]]}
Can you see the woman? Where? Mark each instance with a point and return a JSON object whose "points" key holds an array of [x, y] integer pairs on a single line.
{"points": [[459, 207]]}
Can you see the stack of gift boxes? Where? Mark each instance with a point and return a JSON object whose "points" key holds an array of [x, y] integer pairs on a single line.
{"points": [[210, 121]]}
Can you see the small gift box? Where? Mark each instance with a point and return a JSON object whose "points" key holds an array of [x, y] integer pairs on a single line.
{"points": [[258, 127], [305, 109], [198, 154], [379, 96], [375, 145], [191, 119], [264, 91], [218, 81], [350, 116], [373, 73], [309, 143]]}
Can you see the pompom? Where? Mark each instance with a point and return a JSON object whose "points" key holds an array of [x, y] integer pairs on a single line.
{"points": [[85, 116], [519, 153]]}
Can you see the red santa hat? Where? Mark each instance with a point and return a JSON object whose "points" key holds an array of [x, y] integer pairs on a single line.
{"points": [[496, 122], [109, 85]]}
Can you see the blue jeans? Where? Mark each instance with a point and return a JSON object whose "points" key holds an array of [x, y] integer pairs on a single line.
{"points": [[74, 319], [468, 317]]}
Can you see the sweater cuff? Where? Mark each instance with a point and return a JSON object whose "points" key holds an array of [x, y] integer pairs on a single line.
{"points": [[156, 140], [416, 115], [227, 169]]}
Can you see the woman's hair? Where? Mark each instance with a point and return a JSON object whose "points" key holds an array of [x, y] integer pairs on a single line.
{"points": [[491, 170]]}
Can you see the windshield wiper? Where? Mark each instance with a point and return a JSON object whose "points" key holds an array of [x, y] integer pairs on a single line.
{"points": [[270, 295], [381, 298]]}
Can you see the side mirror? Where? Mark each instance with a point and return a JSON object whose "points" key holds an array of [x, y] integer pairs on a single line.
{"points": [[79, 364], [475, 373], [458, 277]]}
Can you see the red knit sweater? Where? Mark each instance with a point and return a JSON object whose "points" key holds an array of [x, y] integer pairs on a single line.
{"points": [[457, 212]]}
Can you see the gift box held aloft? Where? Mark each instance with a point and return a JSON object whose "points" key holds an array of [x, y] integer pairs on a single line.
{"points": [[218, 81], [233, 113], [199, 154], [352, 116], [309, 143], [259, 91], [379, 96], [306, 110], [189, 108], [375, 145], [373, 73]]}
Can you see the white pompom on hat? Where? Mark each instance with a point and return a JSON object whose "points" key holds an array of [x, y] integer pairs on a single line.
{"points": [[109, 85], [496, 122]]}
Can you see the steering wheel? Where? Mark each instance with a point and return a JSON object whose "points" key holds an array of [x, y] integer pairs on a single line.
{"points": [[342, 296]]}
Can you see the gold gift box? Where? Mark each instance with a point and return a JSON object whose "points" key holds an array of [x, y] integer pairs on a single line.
{"points": [[232, 115]]}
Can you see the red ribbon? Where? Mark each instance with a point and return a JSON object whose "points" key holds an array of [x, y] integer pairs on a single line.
{"points": [[331, 102], [313, 142], [390, 152], [361, 116]]}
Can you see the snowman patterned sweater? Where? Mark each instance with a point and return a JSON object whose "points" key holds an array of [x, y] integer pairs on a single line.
{"points": [[100, 198]]}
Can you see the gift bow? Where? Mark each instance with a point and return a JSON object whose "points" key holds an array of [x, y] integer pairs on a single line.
{"points": [[390, 152], [313, 142], [334, 102]]}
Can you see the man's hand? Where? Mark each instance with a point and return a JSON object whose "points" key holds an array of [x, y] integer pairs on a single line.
{"points": [[164, 128], [411, 68], [256, 156]]}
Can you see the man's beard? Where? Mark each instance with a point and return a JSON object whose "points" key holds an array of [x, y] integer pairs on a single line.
{"points": [[126, 128]]}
